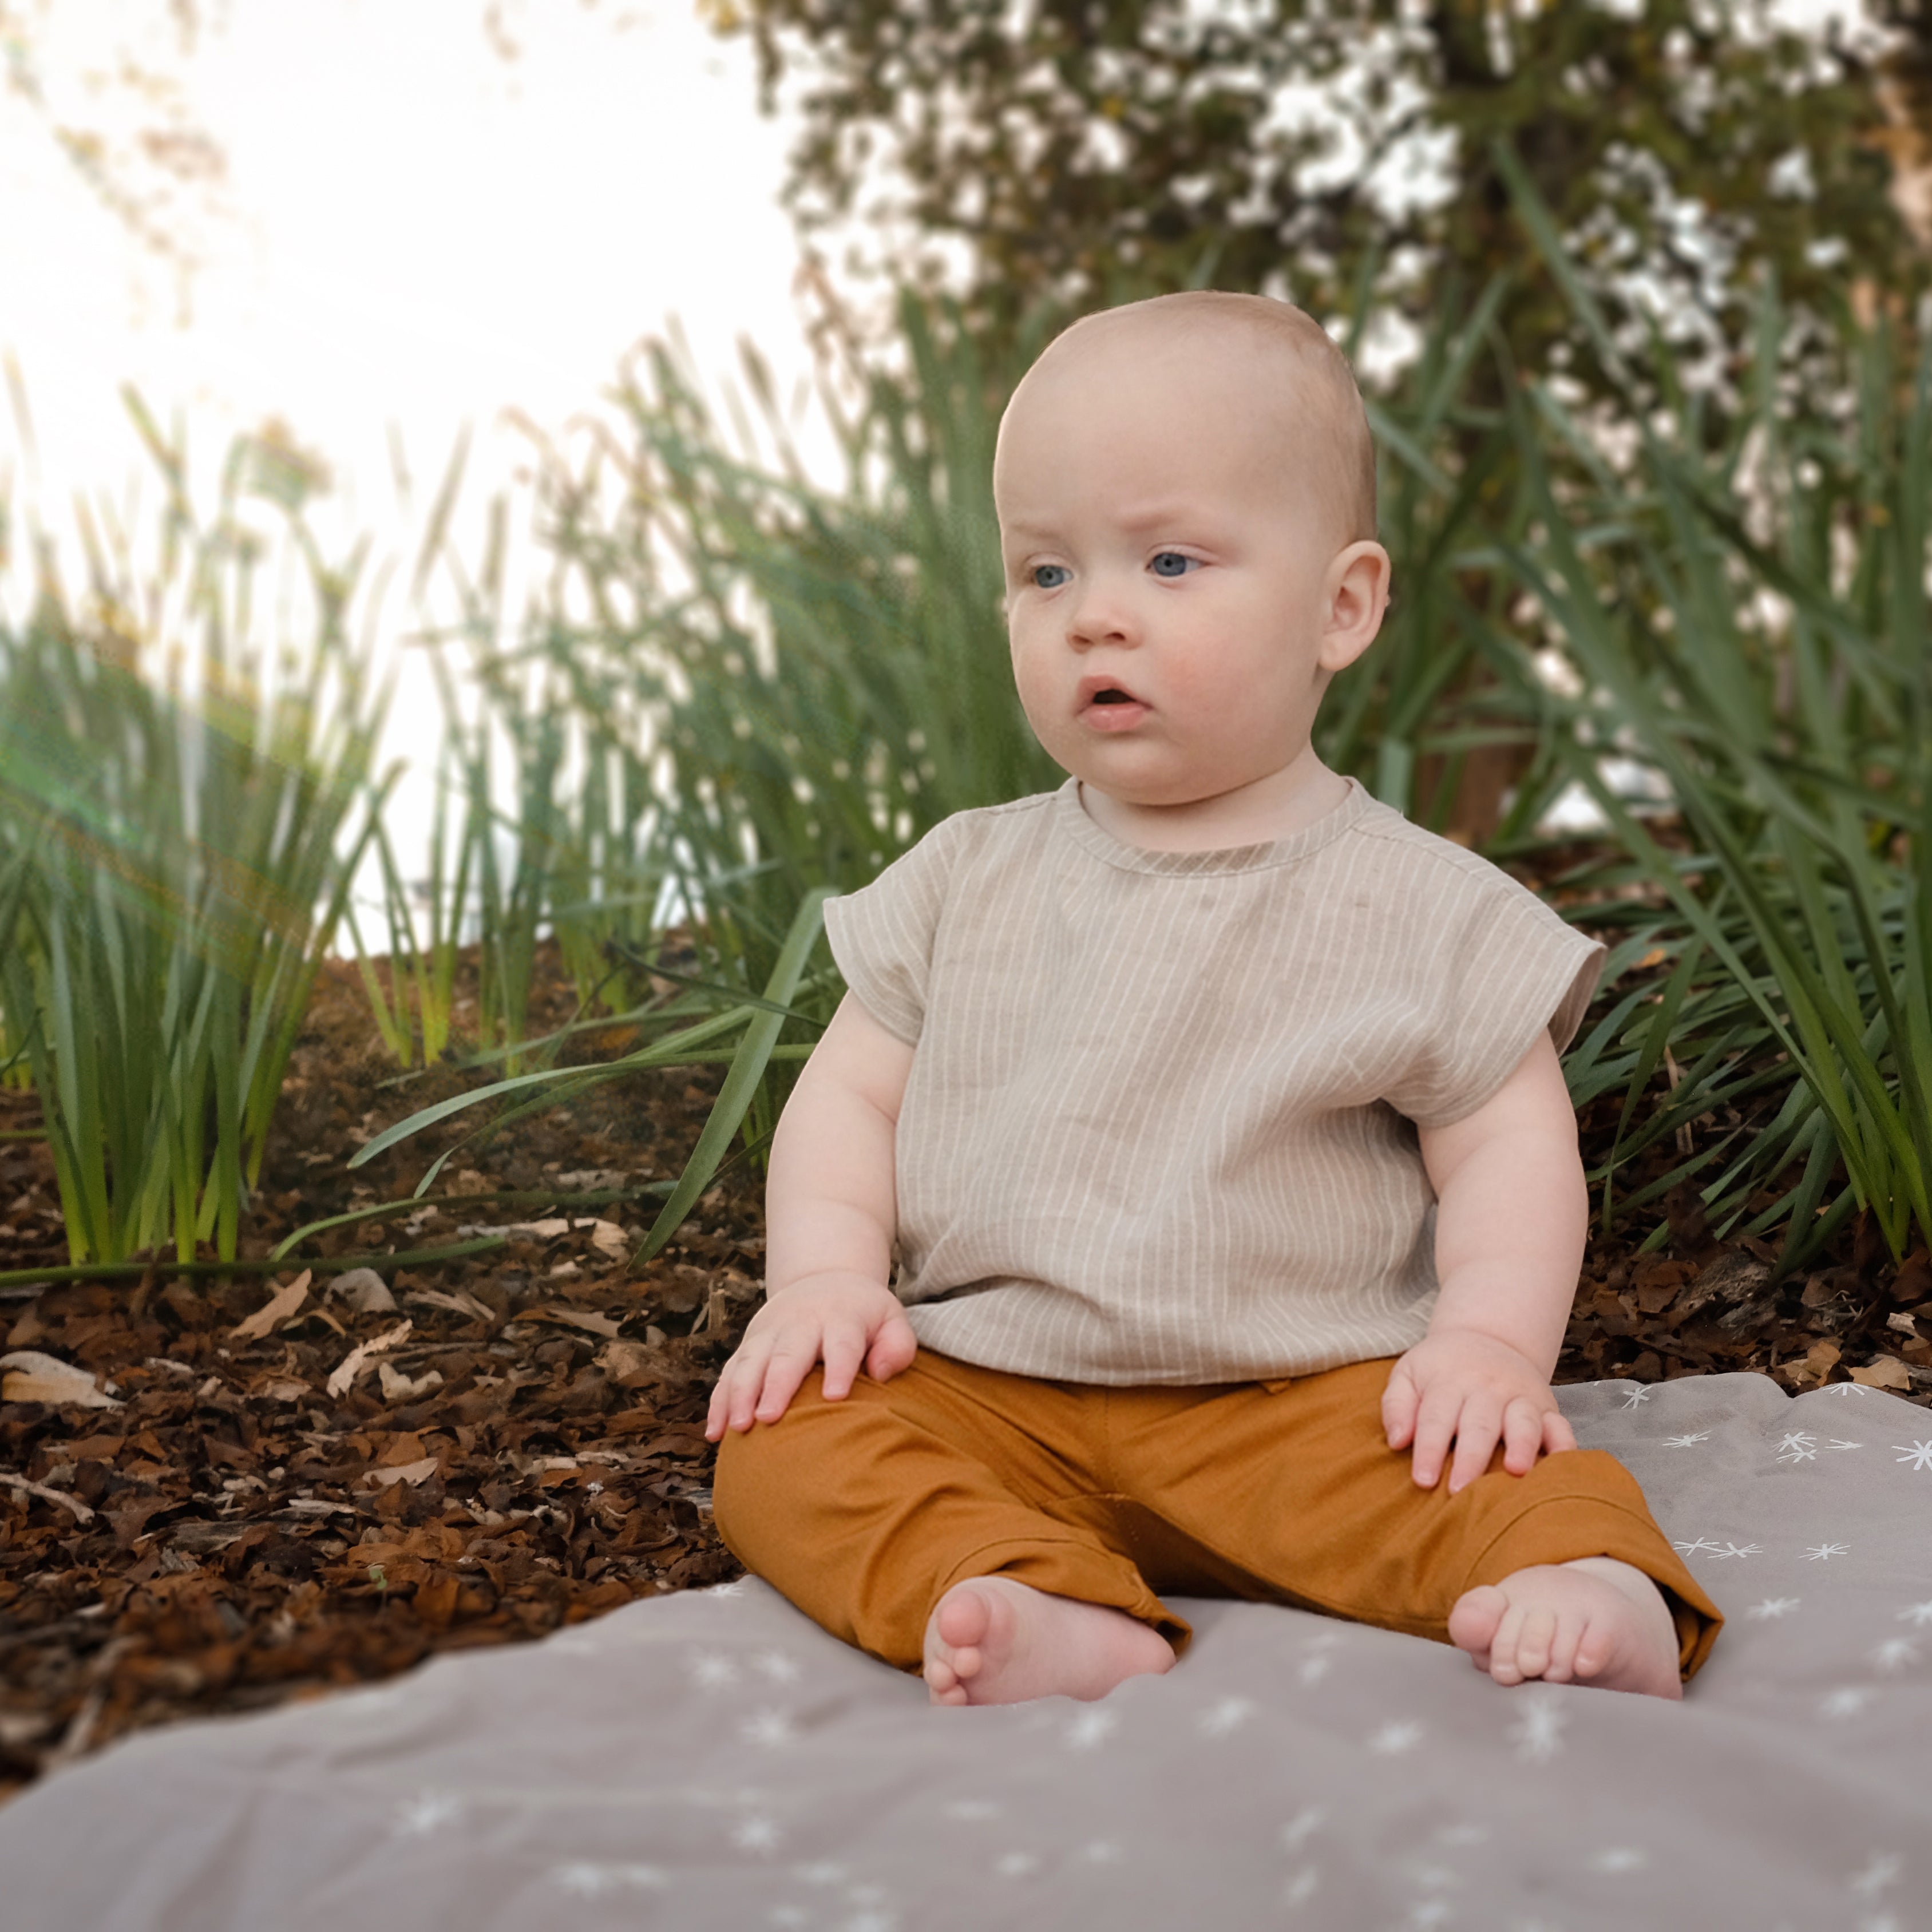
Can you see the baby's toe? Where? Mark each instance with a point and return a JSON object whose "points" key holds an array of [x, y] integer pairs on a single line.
{"points": [[1475, 1620]]}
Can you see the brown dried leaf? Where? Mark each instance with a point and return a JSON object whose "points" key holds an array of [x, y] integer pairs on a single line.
{"points": [[411, 1473], [594, 1324], [353, 1364], [38, 1378], [276, 1310], [1884, 1371], [364, 1291]]}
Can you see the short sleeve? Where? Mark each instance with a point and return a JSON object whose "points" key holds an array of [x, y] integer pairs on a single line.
{"points": [[1504, 968], [882, 935]]}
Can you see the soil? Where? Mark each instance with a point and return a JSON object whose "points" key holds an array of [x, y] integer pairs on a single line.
{"points": [[248, 1510]]}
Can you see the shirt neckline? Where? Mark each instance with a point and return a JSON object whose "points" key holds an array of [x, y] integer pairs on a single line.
{"points": [[1070, 817]]}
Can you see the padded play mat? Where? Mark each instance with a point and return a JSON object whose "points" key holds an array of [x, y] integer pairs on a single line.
{"points": [[713, 1760]]}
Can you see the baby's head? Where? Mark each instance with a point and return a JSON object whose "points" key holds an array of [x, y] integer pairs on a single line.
{"points": [[1185, 489]]}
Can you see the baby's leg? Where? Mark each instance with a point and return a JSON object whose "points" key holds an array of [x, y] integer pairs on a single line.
{"points": [[952, 1518], [1561, 1572], [1593, 1620]]}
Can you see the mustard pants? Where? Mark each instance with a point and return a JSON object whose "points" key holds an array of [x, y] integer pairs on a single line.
{"points": [[864, 1512]]}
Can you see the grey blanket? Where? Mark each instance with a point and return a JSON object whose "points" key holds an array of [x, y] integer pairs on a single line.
{"points": [[714, 1760]]}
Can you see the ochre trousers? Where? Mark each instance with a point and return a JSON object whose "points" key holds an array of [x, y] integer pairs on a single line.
{"points": [[865, 1511]]}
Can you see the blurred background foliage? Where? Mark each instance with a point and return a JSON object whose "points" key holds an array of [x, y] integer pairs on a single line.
{"points": [[1638, 292]]}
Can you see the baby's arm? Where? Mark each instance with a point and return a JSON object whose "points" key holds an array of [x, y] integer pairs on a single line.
{"points": [[1512, 1212], [830, 1213]]}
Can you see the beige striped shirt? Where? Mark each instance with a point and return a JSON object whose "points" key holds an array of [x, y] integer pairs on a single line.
{"points": [[1160, 1124]]}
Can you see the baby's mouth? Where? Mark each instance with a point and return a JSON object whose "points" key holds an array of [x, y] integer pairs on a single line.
{"points": [[1107, 707]]}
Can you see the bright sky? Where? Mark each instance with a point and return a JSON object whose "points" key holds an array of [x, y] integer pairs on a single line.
{"points": [[413, 231]]}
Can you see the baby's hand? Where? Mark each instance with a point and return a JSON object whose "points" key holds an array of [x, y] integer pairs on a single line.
{"points": [[1467, 1387], [845, 1321]]}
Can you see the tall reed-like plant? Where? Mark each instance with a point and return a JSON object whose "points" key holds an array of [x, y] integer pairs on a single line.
{"points": [[176, 800], [1749, 612]]}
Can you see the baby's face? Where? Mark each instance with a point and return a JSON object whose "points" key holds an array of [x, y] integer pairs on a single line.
{"points": [[1169, 571]]}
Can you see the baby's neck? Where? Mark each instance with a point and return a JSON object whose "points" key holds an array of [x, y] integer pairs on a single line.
{"points": [[1271, 809]]}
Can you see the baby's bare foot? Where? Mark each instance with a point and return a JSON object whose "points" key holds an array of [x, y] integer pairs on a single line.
{"points": [[1596, 1622], [991, 1640]]}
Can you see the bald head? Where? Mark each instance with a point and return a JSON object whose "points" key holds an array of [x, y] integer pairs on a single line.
{"points": [[1299, 383]]}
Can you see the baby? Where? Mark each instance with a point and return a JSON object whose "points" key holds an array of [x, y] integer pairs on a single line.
{"points": [[1191, 1142]]}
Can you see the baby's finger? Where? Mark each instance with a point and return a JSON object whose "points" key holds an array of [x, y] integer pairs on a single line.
{"points": [[1400, 1398], [1434, 1427], [1476, 1431], [893, 1349], [791, 1361], [737, 1392], [1558, 1435], [844, 1348], [1522, 1436]]}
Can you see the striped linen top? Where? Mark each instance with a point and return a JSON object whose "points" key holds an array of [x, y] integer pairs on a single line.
{"points": [[1160, 1125]]}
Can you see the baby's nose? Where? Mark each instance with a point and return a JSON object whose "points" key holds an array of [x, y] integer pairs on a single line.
{"points": [[1100, 615]]}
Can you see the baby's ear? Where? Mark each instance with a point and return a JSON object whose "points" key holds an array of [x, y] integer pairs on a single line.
{"points": [[1358, 590]]}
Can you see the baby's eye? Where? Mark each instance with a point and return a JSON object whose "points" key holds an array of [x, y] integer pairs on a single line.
{"points": [[1049, 576], [1172, 563]]}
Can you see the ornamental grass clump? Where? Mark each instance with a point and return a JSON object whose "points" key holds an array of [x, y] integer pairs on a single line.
{"points": [[1747, 605], [182, 804]]}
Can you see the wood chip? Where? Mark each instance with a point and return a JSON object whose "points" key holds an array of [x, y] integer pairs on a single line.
{"points": [[278, 1309], [82, 1513]]}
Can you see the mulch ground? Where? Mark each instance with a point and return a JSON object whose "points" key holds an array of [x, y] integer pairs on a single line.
{"points": [[266, 1500]]}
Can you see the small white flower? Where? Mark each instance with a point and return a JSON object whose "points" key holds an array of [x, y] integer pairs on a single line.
{"points": [[711, 1670], [777, 1665], [1301, 1827], [1919, 1455], [592, 1881], [1740, 1550], [1301, 1886], [1685, 1442], [1229, 1714], [1620, 1858], [1837, 1444], [1538, 1733], [1797, 1446], [1894, 1654], [1920, 1614], [769, 1728], [1846, 1703], [1394, 1738], [758, 1835], [1691, 1549], [972, 1811], [1823, 1551], [1844, 1388], [1090, 1728], [1313, 1670], [427, 1812], [1773, 1606], [1636, 1395], [1882, 1871], [1017, 1865]]}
